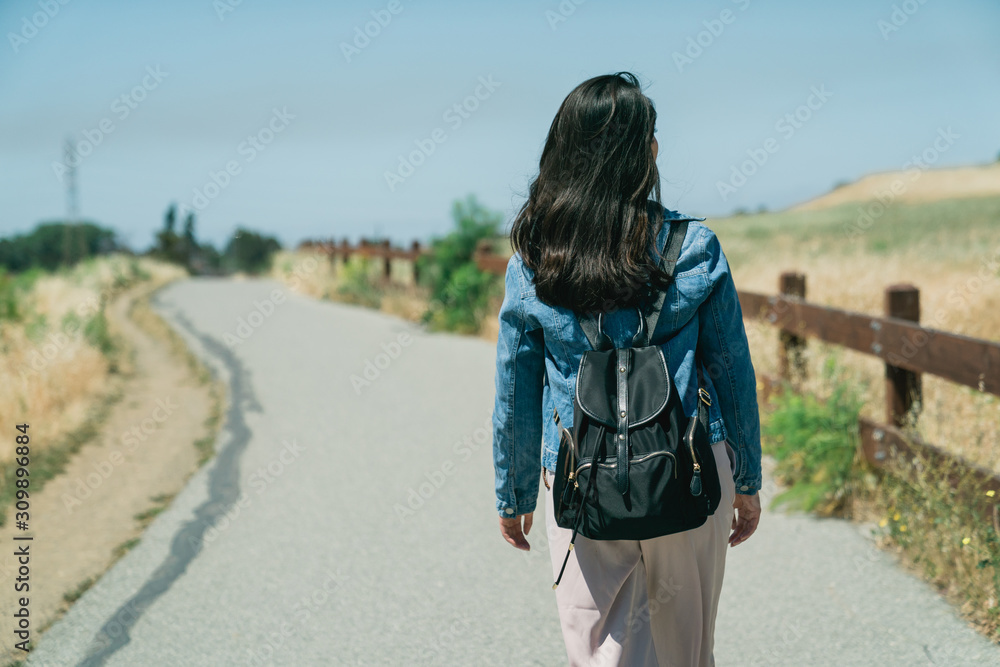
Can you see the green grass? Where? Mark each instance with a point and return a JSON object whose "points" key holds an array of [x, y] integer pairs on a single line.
{"points": [[14, 290], [145, 518], [948, 230], [125, 547], [81, 588], [49, 461], [206, 446], [357, 283], [138, 273], [815, 444], [9, 299], [25, 281], [97, 334], [36, 328]]}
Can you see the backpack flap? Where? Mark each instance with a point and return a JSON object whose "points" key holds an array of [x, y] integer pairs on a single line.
{"points": [[622, 389], [647, 391]]}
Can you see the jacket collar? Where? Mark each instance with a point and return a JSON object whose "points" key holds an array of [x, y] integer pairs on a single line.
{"points": [[661, 237]]}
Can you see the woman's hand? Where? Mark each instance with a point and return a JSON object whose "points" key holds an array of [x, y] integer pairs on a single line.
{"points": [[511, 530], [745, 518]]}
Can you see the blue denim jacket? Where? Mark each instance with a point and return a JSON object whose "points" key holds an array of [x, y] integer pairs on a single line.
{"points": [[540, 347]]}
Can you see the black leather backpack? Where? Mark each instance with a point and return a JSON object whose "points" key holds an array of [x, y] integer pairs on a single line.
{"points": [[634, 466]]}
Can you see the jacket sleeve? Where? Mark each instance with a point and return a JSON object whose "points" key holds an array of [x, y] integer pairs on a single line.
{"points": [[725, 355], [517, 411]]}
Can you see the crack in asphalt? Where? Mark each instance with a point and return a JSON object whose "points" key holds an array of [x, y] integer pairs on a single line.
{"points": [[224, 491]]}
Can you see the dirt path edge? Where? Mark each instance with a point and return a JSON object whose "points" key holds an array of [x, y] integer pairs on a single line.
{"points": [[91, 514]]}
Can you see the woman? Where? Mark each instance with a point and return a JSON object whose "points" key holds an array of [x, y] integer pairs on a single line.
{"points": [[586, 241]]}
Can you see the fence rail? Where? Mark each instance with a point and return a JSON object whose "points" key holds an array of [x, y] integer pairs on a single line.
{"points": [[968, 361], [367, 248]]}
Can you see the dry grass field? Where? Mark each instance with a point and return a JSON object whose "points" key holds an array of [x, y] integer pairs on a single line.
{"points": [[913, 186], [57, 356], [949, 250]]}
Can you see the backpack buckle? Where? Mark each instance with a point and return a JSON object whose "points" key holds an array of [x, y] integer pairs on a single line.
{"points": [[703, 395]]}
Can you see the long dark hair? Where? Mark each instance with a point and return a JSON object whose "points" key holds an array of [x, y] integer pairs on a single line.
{"points": [[585, 229]]}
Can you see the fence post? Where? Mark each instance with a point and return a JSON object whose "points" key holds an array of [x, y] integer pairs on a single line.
{"points": [[903, 388], [386, 259], [791, 362], [482, 250], [415, 251], [345, 254]]}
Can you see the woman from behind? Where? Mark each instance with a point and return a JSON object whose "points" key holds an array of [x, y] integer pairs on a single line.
{"points": [[590, 239]]}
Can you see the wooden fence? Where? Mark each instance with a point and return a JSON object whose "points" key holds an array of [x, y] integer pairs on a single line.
{"points": [[367, 248], [908, 351], [485, 258]]}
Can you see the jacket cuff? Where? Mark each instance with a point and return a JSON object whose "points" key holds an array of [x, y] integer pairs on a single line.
{"points": [[748, 487], [508, 511]]}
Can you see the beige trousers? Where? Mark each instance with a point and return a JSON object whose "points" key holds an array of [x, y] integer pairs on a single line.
{"points": [[644, 602]]}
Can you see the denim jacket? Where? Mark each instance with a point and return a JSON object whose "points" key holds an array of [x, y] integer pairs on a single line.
{"points": [[540, 346]]}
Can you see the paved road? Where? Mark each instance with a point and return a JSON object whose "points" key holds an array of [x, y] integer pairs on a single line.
{"points": [[348, 520]]}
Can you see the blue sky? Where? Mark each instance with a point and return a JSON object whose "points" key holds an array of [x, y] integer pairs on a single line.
{"points": [[319, 166]]}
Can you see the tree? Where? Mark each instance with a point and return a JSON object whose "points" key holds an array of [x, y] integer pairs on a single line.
{"points": [[169, 219], [188, 246], [206, 260], [189, 230], [249, 251], [54, 244], [167, 243]]}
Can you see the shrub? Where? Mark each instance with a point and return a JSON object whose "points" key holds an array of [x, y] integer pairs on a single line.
{"points": [[137, 272], [460, 294], [36, 328], [9, 305], [465, 300], [249, 251], [97, 334], [816, 446]]}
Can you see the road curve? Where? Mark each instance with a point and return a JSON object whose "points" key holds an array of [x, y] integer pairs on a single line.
{"points": [[348, 519]]}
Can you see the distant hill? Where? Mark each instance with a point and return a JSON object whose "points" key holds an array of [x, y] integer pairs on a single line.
{"points": [[913, 186]]}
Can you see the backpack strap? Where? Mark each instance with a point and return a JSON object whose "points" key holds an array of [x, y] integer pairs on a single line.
{"points": [[594, 330], [672, 252]]}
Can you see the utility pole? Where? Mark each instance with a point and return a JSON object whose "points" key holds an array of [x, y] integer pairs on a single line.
{"points": [[72, 203]]}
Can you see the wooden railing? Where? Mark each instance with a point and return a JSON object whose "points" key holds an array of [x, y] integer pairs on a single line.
{"points": [[908, 351], [366, 248]]}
